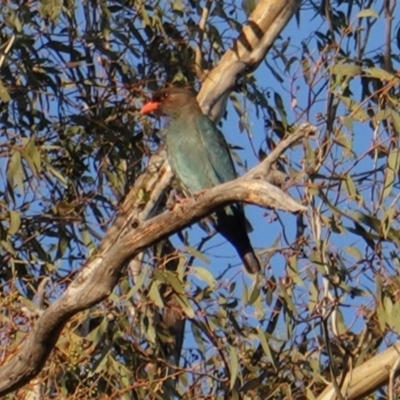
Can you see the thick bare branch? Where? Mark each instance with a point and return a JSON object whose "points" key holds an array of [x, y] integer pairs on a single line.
{"points": [[262, 28], [101, 273], [142, 201], [378, 370]]}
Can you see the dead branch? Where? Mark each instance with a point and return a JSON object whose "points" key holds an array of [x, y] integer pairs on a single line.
{"points": [[369, 376], [101, 273], [249, 49]]}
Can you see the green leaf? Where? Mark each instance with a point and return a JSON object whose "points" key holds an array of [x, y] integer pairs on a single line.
{"points": [[4, 95], [174, 281], [305, 64], [287, 299], [31, 154], [313, 295], [198, 254], [254, 294], [387, 220], [15, 171], [177, 5], [124, 373], [351, 187], [354, 252], [234, 365], [396, 120], [380, 312], [360, 218], [150, 330], [184, 303], [343, 141], [379, 73], [290, 62], [138, 284], [154, 295], [96, 334], [391, 171], [293, 271], [379, 288], [63, 242], [197, 336], [51, 9], [265, 346], [395, 320], [393, 159], [101, 362], [346, 70], [368, 12], [56, 174], [281, 108], [204, 275], [388, 306], [87, 239], [339, 322], [12, 18], [309, 394], [15, 222], [355, 109], [376, 224], [249, 6], [7, 246]]}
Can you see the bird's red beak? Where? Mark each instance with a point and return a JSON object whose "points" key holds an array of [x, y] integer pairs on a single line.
{"points": [[149, 107]]}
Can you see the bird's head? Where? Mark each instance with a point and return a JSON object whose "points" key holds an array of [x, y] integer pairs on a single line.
{"points": [[170, 102]]}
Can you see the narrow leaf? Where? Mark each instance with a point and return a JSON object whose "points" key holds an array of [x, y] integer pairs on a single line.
{"points": [[204, 275], [368, 12], [234, 365], [4, 95], [187, 308], [15, 222]]}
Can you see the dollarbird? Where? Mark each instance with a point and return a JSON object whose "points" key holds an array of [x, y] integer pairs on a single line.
{"points": [[200, 158]]}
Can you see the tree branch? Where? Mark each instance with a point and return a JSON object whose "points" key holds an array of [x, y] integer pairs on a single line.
{"points": [[378, 370], [249, 49], [101, 272]]}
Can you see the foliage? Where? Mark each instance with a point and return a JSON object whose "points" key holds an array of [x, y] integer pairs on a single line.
{"points": [[72, 76]]}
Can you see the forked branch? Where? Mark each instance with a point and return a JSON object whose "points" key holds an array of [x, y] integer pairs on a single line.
{"points": [[101, 273]]}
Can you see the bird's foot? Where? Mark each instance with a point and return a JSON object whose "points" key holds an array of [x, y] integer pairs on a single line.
{"points": [[180, 200], [175, 200], [199, 194]]}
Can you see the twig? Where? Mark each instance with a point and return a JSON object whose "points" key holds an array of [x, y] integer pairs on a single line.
{"points": [[7, 49]]}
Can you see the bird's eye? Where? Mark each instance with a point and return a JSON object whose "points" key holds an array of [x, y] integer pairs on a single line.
{"points": [[165, 95]]}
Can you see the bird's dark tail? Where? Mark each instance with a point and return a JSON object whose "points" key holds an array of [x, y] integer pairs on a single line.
{"points": [[251, 262], [233, 228]]}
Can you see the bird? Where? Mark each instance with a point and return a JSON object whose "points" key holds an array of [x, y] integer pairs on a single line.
{"points": [[200, 158]]}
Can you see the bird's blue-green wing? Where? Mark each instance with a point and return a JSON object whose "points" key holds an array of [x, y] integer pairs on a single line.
{"points": [[219, 157], [187, 156], [221, 167]]}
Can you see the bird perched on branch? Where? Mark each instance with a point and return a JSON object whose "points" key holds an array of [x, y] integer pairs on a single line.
{"points": [[200, 158]]}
